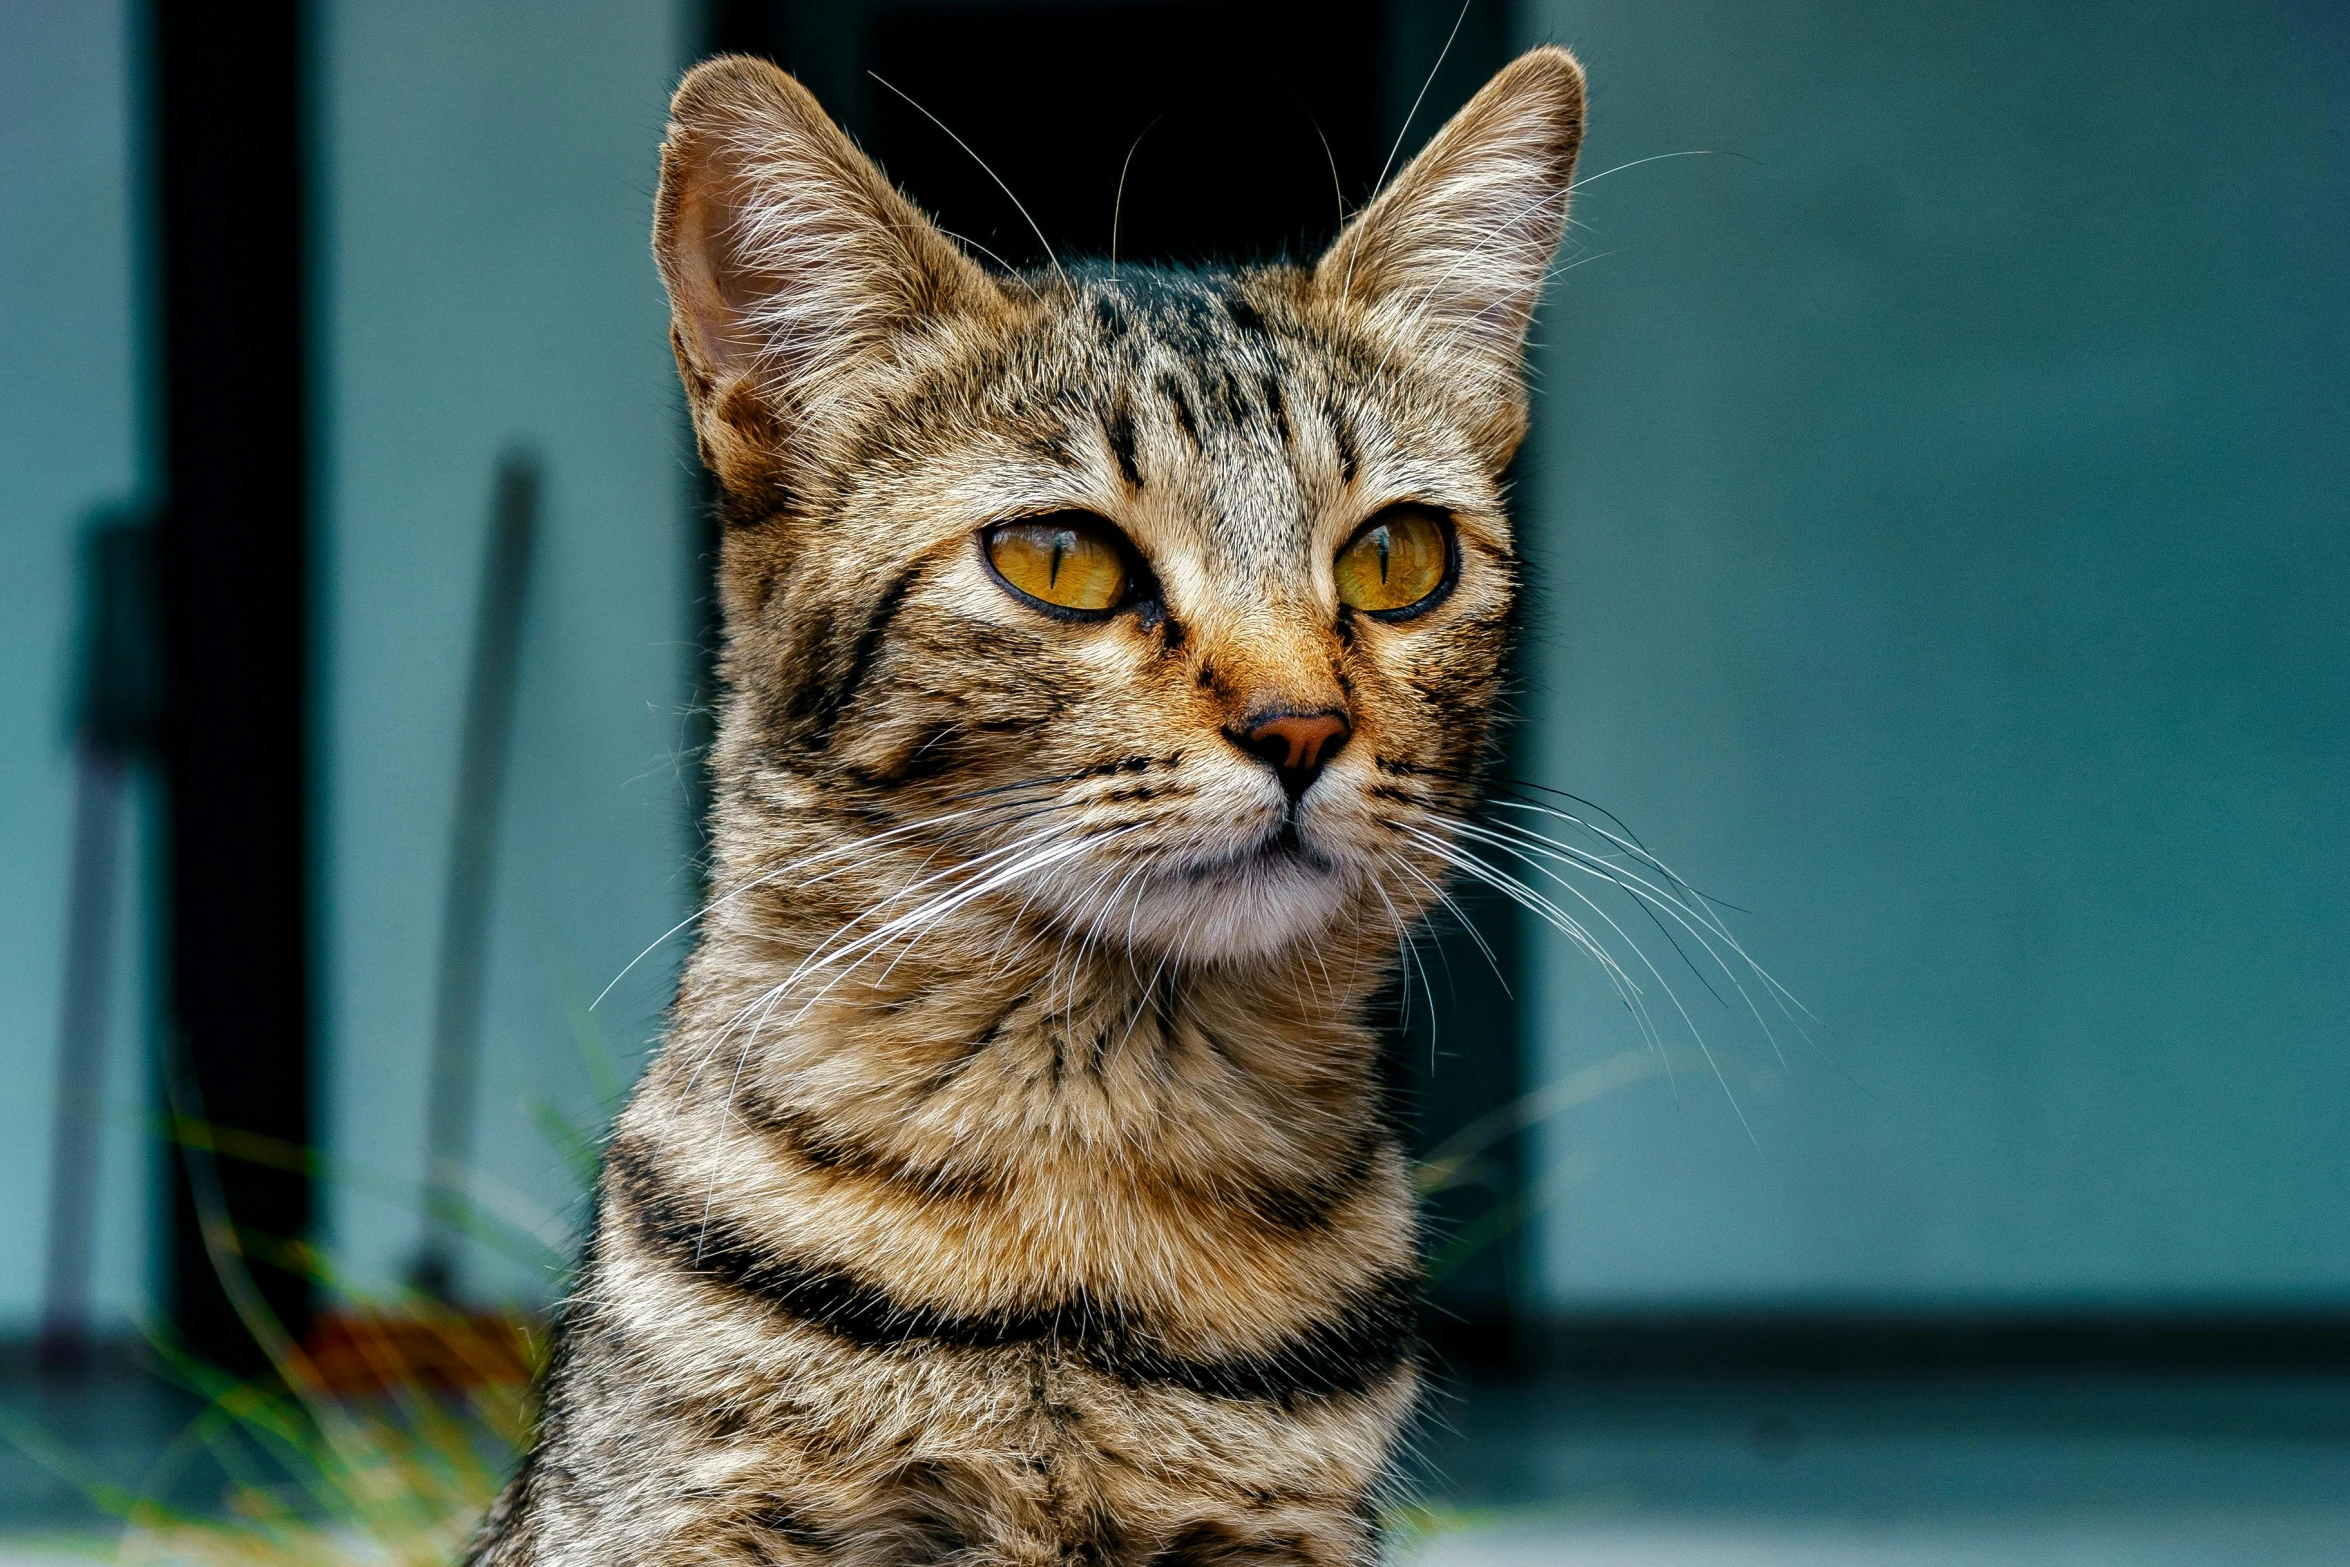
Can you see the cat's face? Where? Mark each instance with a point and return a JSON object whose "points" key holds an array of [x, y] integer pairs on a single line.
{"points": [[1169, 607]]}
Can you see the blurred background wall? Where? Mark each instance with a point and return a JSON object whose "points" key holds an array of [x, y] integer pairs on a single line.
{"points": [[71, 445], [487, 182], [481, 183], [1943, 508], [1937, 500]]}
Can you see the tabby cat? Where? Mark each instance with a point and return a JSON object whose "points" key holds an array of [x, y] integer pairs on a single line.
{"points": [[1105, 651]]}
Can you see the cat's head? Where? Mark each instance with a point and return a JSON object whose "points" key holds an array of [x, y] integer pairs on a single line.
{"points": [[1169, 606]]}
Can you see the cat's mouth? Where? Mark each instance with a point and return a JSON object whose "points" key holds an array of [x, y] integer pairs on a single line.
{"points": [[1277, 876], [1283, 844]]}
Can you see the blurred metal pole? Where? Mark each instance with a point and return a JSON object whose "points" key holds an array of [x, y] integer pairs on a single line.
{"points": [[113, 718], [81, 1060], [473, 846]]}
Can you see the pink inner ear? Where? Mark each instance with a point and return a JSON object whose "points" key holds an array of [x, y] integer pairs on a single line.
{"points": [[711, 315]]}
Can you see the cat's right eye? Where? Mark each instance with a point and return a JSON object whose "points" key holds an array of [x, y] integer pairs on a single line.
{"points": [[1070, 561]]}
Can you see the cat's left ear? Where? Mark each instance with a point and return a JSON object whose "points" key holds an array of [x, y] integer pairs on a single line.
{"points": [[1452, 255]]}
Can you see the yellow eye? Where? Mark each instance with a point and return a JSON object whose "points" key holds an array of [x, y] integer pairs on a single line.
{"points": [[1397, 561], [1067, 561]]}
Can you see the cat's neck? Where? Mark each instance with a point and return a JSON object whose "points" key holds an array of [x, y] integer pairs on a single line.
{"points": [[999, 957], [818, 994]]}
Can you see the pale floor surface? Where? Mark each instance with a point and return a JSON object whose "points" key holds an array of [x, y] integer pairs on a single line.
{"points": [[2148, 1540], [1918, 1472]]}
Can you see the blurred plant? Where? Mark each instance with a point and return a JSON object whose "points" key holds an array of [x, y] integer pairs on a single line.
{"points": [[378, 1441], [386, 1458], [381, 1439], [1462, 1159]]}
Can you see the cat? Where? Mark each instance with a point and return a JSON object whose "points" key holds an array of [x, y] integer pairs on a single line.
{"points": [[1105, 654]]}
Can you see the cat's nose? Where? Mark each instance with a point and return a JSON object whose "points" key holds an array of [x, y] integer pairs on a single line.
{"points": [[1297, 746]]}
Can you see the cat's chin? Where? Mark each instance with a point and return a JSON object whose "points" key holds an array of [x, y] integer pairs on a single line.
{"points": [[1255, 905]]}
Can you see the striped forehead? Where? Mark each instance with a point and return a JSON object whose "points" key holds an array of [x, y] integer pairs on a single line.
{"points": [[1212, 404]]}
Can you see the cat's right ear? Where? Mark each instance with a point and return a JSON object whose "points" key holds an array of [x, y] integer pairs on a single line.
{"points": [[791, 260]]}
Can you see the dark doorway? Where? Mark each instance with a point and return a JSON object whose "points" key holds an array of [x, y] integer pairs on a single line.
{"points": [[229, 158], [1143, 115]]}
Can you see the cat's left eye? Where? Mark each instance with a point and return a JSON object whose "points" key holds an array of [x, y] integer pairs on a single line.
{"points": [[1068, 561], [1397, 563]]}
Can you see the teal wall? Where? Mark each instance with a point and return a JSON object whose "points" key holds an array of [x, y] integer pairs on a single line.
{"points": [[484, 279], [69, 444], [1942, 504], [490, 282]]}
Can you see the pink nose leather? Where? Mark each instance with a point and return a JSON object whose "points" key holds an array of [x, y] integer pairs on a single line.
{"points": [[1297, 746]]}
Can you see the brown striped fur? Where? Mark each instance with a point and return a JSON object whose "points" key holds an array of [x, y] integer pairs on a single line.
{"points": [[1012, 1187]]}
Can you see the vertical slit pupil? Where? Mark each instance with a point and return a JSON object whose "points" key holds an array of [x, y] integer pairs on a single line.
{"points": [[1061, 543], [1381, 538]]}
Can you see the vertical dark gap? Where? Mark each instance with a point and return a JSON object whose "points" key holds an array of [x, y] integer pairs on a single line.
{"points": [[1461, 1060], [821, 45], [231, 173], [1239, 129], [727, 27]]}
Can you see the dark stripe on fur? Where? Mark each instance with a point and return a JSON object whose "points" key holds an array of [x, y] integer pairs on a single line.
{"points": [[945, 1075], [1223, 391], [826, 1149], [825, 704], [1309, 1207], [1350, 460], [1365, 1345], [1213, 1544], [1120, 430], [1299, 1208], [1277, 409], [1172, 390]]}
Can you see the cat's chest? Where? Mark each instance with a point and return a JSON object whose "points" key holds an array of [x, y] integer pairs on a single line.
{"points": [[1030, 1453]]}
